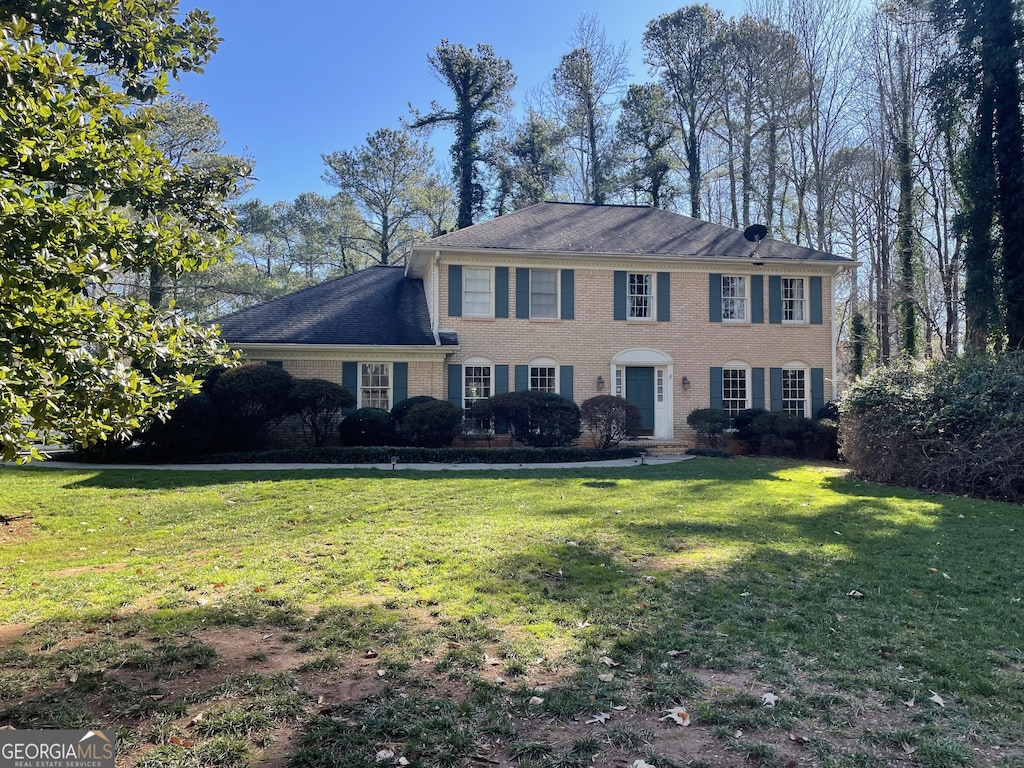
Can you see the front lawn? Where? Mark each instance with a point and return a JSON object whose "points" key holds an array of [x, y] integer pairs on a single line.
{"points": [[334, 617]]}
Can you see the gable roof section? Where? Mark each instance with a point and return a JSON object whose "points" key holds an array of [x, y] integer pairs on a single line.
{"points": [[376, 306], [580, 228]]}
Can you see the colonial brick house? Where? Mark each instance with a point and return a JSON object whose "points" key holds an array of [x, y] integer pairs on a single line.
{"points": [[670, 312]]}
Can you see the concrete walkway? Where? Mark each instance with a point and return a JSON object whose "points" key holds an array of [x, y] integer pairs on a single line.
{"points": [[652, 460]]}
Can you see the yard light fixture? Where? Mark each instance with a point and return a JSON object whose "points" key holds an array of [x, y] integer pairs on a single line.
{"points": [[394, 460]]}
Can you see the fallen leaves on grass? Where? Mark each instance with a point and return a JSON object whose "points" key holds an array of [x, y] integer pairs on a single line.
{"points": [[937, 699], [608, 662], [677, 715], [606, 678], [769, 700], [600, 718]]}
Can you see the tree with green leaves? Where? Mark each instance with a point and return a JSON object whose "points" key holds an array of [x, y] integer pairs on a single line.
{"points": [[481, 83], [646, 133], [529, 164], [84, 195], [382, 178]]}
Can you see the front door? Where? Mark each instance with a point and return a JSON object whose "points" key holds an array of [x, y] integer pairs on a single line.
{"points": [[640, 392]]}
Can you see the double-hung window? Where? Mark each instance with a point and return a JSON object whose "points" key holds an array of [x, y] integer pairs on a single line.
{"points": [[478, 384], [794, 391], [734, 298], [543, 378], [793, 300], [478, 292], [640, 296], [544, 293], [375, 385], [735, 390]]}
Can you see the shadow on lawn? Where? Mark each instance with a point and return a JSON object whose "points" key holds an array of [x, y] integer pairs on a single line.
{"points": [[884, 597]]}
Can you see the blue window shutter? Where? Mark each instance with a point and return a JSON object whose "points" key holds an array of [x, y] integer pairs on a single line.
{"points": [[774, 299], [620, 295], [757, 388], [565, 381], [568, 278], [522, 378], [716, 387], [400, 385], [522, 293], [350, 377], [817, 391], [816, 301], [501, 291], [757, 298], [454, 290], [715, 303], [500, 379], [664, 300], [775, 382], [455, 384]]}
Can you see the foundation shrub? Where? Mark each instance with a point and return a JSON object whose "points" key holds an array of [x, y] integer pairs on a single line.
{"points": [[432, 424], [609, 420]]}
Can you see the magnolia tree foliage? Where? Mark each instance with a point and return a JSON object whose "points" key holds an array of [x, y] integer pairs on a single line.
{"points": [[83, 197]]}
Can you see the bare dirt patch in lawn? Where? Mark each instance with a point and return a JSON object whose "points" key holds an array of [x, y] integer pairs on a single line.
{"points": [[15, 528]]}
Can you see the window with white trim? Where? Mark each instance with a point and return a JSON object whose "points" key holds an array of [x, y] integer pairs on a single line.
{"points": [[478, 291], [618, 382], [478, 382], [793, 300], [544, 293], [794, 391], [735, 390], [734, 298], [660, 386], [544, 378], [639, 296], [375, 385]]}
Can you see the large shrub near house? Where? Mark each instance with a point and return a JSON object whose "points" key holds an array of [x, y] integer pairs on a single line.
{"points": [[955, 426], [609, 420], [250, 399], [782, 434], [538, 419], [431, 423], [368, 426], [710, 425], [318, 405], [191, 428]]}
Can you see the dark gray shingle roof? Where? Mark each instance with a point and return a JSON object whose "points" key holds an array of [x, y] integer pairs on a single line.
{"points": [[378, 305], [617, 229]]}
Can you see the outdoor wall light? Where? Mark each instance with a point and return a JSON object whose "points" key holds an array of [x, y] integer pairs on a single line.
{"points": [[686, 383], [600, 383]]}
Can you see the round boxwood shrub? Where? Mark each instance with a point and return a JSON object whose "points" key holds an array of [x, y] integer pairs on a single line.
{"points": [[431, 424], [367, 426], [190, 430], [250, 399], [538, 419], [318, 405], [610, 419], [399, 411]]}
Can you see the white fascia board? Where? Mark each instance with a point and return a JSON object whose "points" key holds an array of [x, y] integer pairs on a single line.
{"points": [[361, 352]]}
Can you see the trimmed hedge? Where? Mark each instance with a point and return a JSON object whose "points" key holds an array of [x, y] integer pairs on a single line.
{"points": [[410, 455], [955, 426], [537, 419], [431, 424], [610, 419]]}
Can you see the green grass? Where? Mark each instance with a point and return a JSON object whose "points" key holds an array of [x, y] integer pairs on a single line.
{"points": [[841, 597]]}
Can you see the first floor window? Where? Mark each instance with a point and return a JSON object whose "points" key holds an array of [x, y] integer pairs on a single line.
{"points": [[792, 300], [477, 386], [375, 386], [542, 378], [734, 297], [640, 297], [477, 295], [794, 391], [734, 390]]}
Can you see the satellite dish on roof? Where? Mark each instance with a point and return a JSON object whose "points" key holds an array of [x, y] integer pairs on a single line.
{"points": [[755, 233]]}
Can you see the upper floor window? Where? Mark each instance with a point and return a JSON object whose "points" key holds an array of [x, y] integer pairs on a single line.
{"points": [[544, 293], [735, 390], [734, 298], [793, 300], [794, 391], [640, 296], [375, 385], [477, 292]]}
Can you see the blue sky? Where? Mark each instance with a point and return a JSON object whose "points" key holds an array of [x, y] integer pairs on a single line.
{"points": [[314, 76]]}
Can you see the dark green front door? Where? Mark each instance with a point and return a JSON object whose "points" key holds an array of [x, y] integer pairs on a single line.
{"points": [[640, 392]]}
